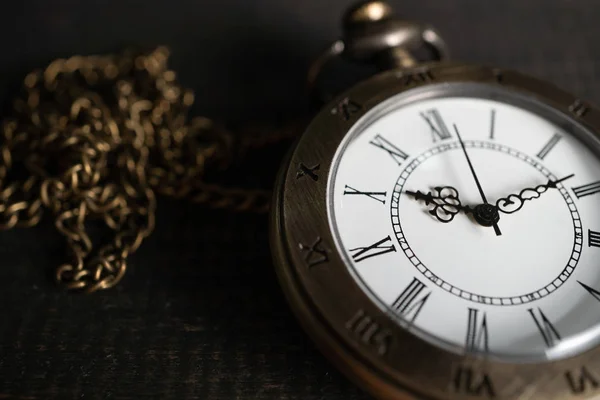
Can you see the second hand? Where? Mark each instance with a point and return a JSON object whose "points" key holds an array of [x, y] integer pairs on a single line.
{"points": [[462, 144]]}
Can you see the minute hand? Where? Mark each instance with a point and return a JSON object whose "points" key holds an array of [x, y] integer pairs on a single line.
{"points": [[487, 208], [515, 202]]}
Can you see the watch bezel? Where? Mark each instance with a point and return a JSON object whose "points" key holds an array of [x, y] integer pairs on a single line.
{"points": [[353, 331]]}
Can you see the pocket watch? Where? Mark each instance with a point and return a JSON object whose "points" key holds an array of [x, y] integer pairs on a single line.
{"points": [[436, 227]]}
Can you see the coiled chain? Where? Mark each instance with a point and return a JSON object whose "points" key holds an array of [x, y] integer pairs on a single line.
{"points": [[98, 138]]}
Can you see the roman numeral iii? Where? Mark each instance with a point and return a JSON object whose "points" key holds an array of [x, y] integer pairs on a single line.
{"points": [[586, 190], [439, 130], [593, 238], [412, 299], [394, 152], [376, 249]]}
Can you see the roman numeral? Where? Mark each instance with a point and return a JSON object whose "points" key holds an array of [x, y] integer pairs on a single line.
{"points": [[377, 248], [397, 154], [498, 75], [548, 332], [586, 190], [477, 332], [315, 253], [593, 238], [379, 196], [580, 381], [410, 303], [579, 108], [303, 170], [591, 290], [417, 77], [492, 123], [370, 332], [347, 108], [473, 383], [549, 146], [437, 125]]}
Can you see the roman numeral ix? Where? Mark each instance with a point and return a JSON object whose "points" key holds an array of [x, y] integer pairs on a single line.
{"points": [[586, 190], [437, 125], [477, 332], [377, 248], [410, 302], [384, 144], [547, 330], [378, 196]]}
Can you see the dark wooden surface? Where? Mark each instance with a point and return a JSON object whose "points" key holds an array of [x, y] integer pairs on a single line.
{"points": [[199, 314]]}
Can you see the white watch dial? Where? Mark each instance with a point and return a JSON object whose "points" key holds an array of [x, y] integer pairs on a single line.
{"points": [[475, 223]]}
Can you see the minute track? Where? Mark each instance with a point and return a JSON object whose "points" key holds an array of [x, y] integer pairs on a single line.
{"points": [[481, 284], [524, 298]]}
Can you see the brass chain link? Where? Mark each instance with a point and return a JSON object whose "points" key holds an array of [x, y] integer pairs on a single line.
{"points": [[97, 138]]}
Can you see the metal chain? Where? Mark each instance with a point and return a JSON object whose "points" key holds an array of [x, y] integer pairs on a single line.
{"points": [[98, 138]]}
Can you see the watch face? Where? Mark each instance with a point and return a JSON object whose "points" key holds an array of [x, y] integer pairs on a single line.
{"points": [[470, 215]]}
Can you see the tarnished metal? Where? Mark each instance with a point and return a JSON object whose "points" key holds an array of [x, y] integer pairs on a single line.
{"points": [[373, 35], [368, 343]]}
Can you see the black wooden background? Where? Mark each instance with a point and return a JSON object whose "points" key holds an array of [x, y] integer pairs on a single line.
{"points": [[199, 315]]}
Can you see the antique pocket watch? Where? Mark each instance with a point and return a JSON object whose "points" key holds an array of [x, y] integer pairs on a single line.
{"points": [[436, 228]]}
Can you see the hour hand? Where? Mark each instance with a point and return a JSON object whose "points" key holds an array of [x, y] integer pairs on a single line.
{"points": [[515, 202], [443, 201]]}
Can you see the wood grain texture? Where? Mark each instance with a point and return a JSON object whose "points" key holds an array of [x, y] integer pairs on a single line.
{"points": [[200, 314]]}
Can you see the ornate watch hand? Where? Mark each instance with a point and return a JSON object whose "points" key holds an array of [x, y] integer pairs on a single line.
{"points": [[446, 205], [514, 202], [445, 201]]}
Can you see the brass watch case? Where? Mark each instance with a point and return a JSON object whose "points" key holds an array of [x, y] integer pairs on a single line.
{"points": [[364, 342]]}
